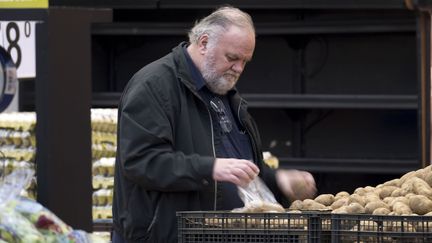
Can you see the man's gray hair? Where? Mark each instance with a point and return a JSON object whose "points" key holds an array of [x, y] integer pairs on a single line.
{"points": [[220, 21]]}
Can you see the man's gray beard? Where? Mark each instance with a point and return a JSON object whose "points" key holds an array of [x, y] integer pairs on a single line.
{"points": [[217, 84]]}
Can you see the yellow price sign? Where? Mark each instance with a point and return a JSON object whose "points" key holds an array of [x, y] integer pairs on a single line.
{"points": [[23, 4]]}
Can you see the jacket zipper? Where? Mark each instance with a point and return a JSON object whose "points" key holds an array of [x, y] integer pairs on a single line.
{"points": [[214, 154], [212, 135]]}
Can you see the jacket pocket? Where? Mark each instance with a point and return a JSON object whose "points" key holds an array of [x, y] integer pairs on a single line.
{"points": [[140, 216]]}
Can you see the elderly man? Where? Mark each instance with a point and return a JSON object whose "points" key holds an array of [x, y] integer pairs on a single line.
{"points": [[186, 140]]}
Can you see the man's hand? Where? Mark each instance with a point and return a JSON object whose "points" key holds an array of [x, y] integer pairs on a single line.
{"points": [[296, 184], [237, 171]]}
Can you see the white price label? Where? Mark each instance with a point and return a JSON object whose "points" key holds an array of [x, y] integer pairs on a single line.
{"points": [[18, 38]]}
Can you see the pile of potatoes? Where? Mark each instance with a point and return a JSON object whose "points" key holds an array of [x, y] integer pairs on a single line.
{"points": [[409, 195]]}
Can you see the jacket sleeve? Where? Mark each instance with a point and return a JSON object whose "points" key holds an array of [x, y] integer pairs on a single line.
{"points": [[146, 149]]}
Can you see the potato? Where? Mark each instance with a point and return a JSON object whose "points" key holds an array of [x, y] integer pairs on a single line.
{"points": [[298, 223], [355, 208], [409, 195], [421, 187], [215, 222], [408, 185], [296, 205], [340, 210], [325, 199], [360, 191], [424, 173], [370, 207], [387, 200], [341, 194], [369, 188], [386, 191], [339, 203], [420, 173], [309, 204], [258, 206], [254, 223], [399, 192], [420, 204], [381, 211], [371, 197], [401, 227], [406, 177], [294, 211], [428, 175], [394, 182], [404, 200], [356, 198], [365, 225], [277, 223], [400, 208], [272, 207]]}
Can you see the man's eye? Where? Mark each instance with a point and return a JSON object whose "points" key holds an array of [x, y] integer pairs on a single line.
{"points": [[231, 59]]}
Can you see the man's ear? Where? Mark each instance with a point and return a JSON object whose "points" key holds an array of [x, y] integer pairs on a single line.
{"points": [[202, 43]]}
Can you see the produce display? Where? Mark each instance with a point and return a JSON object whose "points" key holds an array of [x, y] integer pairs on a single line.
{"points": [[104, 133], [18, 145], [18, 150], [24, 220], [409, 195], [104, 145]]}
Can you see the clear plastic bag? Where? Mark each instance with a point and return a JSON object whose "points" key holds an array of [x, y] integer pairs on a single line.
{"points": [[12, 184], [13, 226], [257, 198]]}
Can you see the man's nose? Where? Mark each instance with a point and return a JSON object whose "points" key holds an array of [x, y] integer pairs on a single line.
{"points": [[238, 67]]}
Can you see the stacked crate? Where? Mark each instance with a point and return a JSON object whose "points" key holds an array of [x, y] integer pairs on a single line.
{"points": [[104, 144], [18, 144]]}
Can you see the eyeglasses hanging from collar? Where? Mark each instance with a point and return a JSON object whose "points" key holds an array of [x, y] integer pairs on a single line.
{"points": [[224, 121]]}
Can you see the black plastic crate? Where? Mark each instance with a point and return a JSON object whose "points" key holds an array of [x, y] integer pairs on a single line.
{"points": [[375, 228], [221, 226], [308, 227]]}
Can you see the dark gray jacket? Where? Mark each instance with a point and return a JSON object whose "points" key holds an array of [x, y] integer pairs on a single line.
{"points": [[165, 151]]}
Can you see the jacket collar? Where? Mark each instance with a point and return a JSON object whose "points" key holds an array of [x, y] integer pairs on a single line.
{"points": [[183, 72]]}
